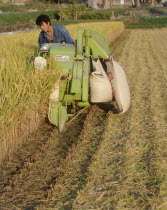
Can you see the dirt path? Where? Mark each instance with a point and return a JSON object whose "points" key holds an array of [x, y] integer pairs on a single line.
{"points": [[103, 160]]}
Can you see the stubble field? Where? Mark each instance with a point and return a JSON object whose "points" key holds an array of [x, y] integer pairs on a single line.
{"points": [[103, 160]]}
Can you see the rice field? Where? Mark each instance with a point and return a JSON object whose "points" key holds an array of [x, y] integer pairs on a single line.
{"points": [[103, 160]]}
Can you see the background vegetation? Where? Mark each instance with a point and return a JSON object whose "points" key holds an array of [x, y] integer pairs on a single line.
{"points": [[74, 13], [149, 22], [23, 18]]}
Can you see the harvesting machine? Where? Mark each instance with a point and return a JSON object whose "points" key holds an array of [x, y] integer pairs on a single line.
{"points": [[71, 94]]}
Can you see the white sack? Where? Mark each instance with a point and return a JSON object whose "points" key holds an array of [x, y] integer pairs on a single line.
{"points": [[40, 63], [100, 86], [121, 91], [54, 95]]}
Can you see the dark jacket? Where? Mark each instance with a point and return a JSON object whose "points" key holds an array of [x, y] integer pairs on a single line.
{"points": [[60, 35]]}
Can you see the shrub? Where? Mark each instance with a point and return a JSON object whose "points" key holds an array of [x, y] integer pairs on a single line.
{"points": [[95, 16], [73, 12]]}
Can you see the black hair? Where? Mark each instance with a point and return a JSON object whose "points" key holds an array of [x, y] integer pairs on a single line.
{"points": [[42, 18]]}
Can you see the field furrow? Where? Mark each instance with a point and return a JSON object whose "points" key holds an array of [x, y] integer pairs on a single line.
{"points": [[26, 185], [159, 109], [76, 164]]}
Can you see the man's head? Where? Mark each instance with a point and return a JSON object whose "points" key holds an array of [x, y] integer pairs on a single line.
{"points": [[42, 18], [44, 22]]}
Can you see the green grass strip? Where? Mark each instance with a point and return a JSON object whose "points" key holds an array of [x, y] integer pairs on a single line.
{"points": [[22, 18], [149, 22]]}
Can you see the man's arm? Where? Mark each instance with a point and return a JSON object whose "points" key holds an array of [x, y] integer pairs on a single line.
{"points": [[41, 40], [67, 37]]}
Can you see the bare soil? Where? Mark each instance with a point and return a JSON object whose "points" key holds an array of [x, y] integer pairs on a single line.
{"points": [[102, 160]]}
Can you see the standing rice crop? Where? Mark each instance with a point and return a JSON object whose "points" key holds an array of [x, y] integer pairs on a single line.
{"points": [[22, 89]]}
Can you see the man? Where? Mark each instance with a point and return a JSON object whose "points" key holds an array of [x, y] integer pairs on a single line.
{"points": [[52, 33]]}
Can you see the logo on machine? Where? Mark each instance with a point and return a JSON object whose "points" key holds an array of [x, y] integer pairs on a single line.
{"points": [[62, 58]]}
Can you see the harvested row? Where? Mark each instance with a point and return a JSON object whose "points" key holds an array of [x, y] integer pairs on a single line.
{"points": [[50, 162], [129, 170], [76, 164], [27, 179]]}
